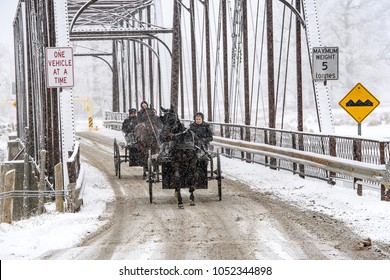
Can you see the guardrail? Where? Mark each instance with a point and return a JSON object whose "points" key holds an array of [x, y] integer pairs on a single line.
{"points": [[362, 155], [373, 172]]}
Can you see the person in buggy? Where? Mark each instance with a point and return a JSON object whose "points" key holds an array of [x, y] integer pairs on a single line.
{"points": [[156, 119], [202, 130], [144, 113], [204, 135], [129, 125]]}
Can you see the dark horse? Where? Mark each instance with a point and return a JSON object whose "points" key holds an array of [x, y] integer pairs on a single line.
{"points": [[182, 147], [146, 136]]}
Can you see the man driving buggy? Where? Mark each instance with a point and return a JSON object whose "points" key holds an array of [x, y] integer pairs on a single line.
{"points": [[129, 125]]}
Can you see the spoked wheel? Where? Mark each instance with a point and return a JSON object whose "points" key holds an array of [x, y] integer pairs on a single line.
{"points": [[150, 176], [219, 176], [117, 159]]}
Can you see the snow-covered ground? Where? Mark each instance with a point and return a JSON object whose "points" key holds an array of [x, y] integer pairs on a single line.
{"points": [[366, 215], [27, 239]]}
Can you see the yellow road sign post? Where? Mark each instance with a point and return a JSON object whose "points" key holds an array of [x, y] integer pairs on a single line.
{"points": [[85, 103], [359, 103]]}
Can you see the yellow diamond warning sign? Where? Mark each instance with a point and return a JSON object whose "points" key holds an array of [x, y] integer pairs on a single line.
{"points": [[359, 103]]}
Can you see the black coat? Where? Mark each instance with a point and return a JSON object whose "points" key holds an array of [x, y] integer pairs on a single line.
{"points": [[129, 124], [143, 115], [202, 131]]}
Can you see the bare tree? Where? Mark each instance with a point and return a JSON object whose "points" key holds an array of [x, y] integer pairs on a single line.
{"points": [[358, 28]]}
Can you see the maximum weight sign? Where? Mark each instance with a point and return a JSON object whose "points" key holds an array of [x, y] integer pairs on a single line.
{"points": [[325, 63]]}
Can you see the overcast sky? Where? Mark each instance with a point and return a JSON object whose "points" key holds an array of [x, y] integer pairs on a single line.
{"points": [[7, 14]]}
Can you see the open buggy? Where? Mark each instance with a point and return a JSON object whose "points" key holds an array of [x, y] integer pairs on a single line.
{"points": [[130, 154], [144, 138], [182, 162]]}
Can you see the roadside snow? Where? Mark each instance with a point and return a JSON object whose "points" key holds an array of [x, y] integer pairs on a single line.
{"points": [[28, 239], [366, 215]]}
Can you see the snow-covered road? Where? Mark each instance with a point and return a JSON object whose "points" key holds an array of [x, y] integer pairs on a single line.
{"points": [[275, 215]]}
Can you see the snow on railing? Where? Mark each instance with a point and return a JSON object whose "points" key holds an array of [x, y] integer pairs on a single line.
{"points": [[379, 173]]}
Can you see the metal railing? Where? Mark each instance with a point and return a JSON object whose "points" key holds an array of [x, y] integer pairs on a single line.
{"points": [[378, 173]]}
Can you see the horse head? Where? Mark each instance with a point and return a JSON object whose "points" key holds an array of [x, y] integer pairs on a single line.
{"points": [[170, 119]]}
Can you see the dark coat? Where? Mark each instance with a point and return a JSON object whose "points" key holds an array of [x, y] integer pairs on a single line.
{"points": [[203, 132], [129, 125], [143, 115]]}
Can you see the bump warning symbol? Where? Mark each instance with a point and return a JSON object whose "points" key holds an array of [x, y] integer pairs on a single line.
{"points": [[359, 103]]}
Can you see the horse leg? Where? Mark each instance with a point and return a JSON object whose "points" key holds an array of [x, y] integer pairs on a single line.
{"points": [[155, 166], [192, 198], [179, 199], [144, 174], [192, 179], [178, 185], [145, 163]]}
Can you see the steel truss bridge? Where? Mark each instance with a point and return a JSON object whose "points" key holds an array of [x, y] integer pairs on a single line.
{"points": [[226, 58]]}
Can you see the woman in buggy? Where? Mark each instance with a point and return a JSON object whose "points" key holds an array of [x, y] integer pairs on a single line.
{"points": [[204, 134], [202, 130]]}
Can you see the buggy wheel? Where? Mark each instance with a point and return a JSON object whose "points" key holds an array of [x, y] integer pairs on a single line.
{"points": [[127, 154], [119, 167], [219, 176], [116, 156], [150, 176], [117, 159]]}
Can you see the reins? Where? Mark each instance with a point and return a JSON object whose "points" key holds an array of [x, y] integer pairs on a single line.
{"points": [[154, 131]]}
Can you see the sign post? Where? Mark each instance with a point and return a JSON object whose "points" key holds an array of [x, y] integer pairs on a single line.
{"points": [[359, 103], [325, 63], [59, 67]]}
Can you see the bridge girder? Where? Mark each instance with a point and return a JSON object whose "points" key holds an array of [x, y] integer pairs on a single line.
{"points": [[108, 14]]}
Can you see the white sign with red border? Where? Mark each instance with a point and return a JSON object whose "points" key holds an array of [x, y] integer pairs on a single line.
{"points": [[59, 67]]}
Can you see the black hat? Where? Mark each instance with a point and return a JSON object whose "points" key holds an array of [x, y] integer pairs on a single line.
{"points": [[132, 110], [200, 114]]}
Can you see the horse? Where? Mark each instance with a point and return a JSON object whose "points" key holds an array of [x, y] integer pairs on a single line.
{"points": [[182, 144], [146, 136]]}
